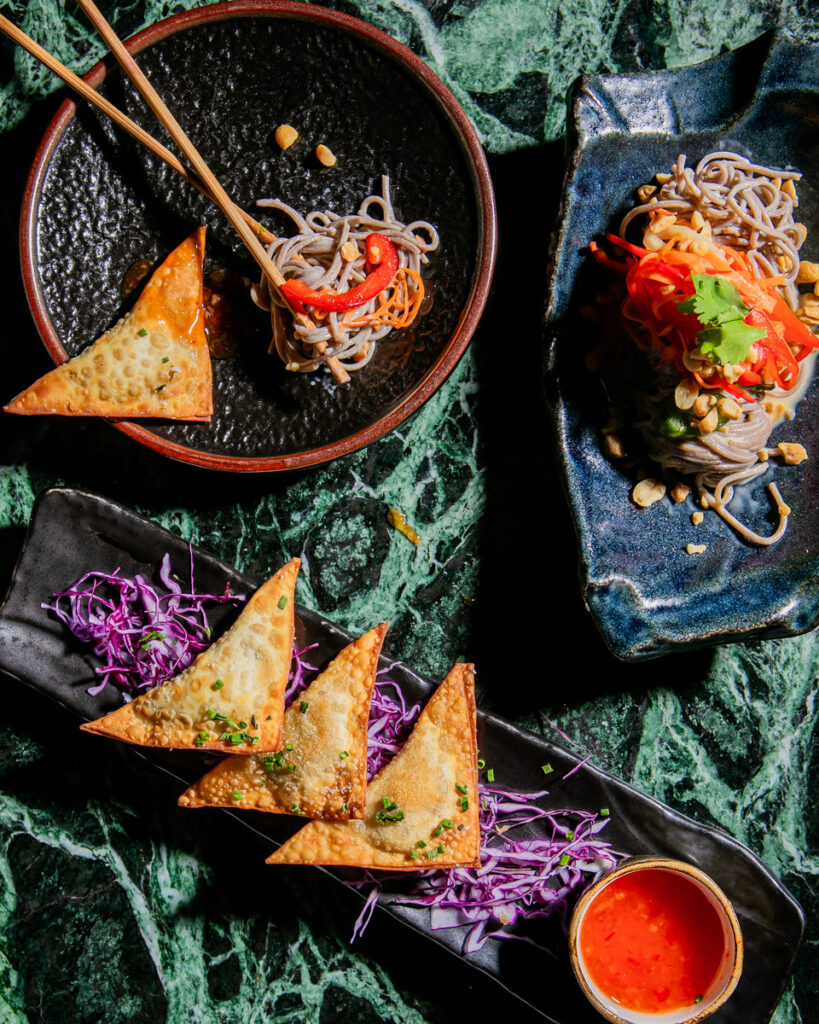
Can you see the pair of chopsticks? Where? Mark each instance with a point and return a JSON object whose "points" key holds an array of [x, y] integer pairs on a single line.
{"points": [[199, 174]]}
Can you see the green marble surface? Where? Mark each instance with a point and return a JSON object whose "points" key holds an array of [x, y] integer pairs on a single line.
{"points": [[114, 905]]}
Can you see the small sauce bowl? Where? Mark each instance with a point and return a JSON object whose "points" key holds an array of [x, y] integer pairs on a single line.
{"points": [[655, 941]]}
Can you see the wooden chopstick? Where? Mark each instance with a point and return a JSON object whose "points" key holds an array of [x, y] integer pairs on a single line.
{"points": [[200, 168], [116, 115]]}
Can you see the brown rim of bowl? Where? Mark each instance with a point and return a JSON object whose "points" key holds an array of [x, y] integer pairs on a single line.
{"points": [[487, 232], [669, 864]]}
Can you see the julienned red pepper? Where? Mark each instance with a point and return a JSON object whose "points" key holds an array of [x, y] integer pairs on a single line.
{"points": [[381, 255]]}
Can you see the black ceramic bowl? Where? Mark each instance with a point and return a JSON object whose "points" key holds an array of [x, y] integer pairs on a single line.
{"points": [[96, 202]]}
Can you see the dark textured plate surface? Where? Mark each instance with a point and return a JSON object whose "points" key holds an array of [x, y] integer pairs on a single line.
{"points": [[647, 595], [72, 532], [96, 202]]}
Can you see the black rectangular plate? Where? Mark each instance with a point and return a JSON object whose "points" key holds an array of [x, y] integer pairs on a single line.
{"points": [[72, 532]]}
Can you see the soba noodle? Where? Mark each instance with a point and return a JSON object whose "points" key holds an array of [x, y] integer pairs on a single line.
{"points": [[317, 256], [748, 207], [726, 200]]}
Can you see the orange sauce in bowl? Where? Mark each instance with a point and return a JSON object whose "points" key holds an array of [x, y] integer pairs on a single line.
{"points": [[652, 941]]}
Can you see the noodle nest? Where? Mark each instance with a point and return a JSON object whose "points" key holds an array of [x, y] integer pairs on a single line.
{"points": [[749, 208], [318, 255]]}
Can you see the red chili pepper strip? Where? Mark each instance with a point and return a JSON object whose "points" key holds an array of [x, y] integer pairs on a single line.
{"points": [[617, 266], [381, 254]]}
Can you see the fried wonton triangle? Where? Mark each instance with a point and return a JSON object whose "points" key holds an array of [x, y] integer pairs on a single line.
{"points": [[322, 771], [232, 696], [154, 362], [422, 809]]}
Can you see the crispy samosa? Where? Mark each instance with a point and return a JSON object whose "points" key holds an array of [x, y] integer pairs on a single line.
{"points": [[422, 809], [322, 771], [232, 696], [153, 362]]}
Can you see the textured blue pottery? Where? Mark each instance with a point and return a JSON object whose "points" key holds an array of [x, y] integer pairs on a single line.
{"points": [[647, 594]]}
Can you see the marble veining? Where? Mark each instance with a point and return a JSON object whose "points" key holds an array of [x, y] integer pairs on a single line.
{"points": [[116, 906]]}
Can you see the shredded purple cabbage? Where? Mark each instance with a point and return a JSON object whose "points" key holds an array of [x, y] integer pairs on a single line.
{"points": [[519, 878], [146, 638], [390, 724], [297, 682], [143, 637]]}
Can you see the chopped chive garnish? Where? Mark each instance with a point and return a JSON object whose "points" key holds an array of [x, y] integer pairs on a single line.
{"points": [[438, 831], [295, 809], [217, 685], [441, 849], [481, 764], [236, 737], [345, 808], [447, 823], [303, 706], [564, 860], [570, 835], [546, 769], [253, 740], [166, 359], [604, 812], [461, 788], [288, 746], [390, 812], [283, 601], [236, 794], [464, 803], [203, 737], [242, 725], [269, 718], [253, 722], [160, 388], [490, 775], [142, 332], [421, 844], [343, 755], [698, 999], [414, 854], [291, 767]]}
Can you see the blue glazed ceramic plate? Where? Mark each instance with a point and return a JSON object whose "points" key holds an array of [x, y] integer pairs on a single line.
{"points": [[647, 595], [72, 532]]}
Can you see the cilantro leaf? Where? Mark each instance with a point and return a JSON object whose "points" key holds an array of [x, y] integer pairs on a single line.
{"points": [[729, 342], [718, 307], [715, 300]]}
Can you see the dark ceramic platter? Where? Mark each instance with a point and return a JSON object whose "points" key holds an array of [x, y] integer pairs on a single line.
{"points": [[647, 595], [96, 202], [72, 532]]}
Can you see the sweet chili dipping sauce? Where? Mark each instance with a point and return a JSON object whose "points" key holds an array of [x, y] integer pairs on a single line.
{"points": [[652, 941]]}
